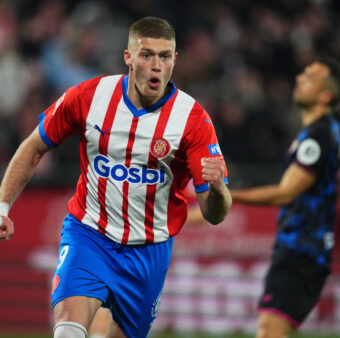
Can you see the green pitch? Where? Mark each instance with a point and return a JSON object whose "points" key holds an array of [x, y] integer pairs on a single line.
{"points": [[182, 335]]}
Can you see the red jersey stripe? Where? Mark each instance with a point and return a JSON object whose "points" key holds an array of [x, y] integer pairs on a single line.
{"points": [[152, 163], [177, 218], [132, 134], [103, 146], [81, 194]]}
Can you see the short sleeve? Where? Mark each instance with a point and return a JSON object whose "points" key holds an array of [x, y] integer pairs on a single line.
{"points": [[61, 119], [313, 151], [201, 143]]}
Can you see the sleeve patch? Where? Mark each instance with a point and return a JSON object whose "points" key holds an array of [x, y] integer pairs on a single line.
{"points": [[309, 152], [214, 149]]}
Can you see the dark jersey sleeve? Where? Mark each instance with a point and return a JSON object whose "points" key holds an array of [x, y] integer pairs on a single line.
{"points": [[314, 149]]}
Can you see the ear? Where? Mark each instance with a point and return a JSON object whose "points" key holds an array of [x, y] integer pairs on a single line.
{"points": [[175, 59], [127, 58], [326, 96]]}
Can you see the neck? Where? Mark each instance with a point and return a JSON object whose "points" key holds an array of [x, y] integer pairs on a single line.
{"points": [[140, 101], [309, 115]]}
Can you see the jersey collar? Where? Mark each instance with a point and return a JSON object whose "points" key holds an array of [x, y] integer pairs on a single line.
{"points": [[139, 112]]}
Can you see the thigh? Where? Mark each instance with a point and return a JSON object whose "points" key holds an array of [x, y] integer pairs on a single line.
{"points": [[77, 309], [101, 322], [114, 330]]}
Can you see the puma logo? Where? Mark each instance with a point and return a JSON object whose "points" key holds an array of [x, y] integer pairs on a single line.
{"points": [[101, 131]]}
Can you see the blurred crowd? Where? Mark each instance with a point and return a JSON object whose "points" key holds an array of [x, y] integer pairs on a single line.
{"points": [[238, 58]]}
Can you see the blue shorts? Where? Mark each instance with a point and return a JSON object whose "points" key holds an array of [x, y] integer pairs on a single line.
{"points": [[127, 278]]}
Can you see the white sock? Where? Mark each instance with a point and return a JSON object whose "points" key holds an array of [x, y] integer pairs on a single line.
{"points": [[69, 330]]}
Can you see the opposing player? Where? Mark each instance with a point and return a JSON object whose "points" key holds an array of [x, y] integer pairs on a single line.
{"points": [[142, 139], [302, 252]]}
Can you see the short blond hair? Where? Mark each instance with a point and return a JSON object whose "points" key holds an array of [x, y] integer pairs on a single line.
{"points": [[152, 27]]}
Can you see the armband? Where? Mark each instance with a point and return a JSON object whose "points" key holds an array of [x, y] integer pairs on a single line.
{"points": [[4, 208]]}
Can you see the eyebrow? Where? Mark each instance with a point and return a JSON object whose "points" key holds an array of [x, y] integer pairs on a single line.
{"points": [[152, 51]]}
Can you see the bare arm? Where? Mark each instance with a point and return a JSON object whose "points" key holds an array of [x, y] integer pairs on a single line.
{"points": [[18, 173], [216, 202], [294, 182]]}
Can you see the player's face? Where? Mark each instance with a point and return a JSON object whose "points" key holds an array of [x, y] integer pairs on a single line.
{"points": [[151, 62], [310, 84]]}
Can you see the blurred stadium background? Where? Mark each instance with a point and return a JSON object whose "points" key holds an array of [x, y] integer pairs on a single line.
{"points": [[239, 59]]}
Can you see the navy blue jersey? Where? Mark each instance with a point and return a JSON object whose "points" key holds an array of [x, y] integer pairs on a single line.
{"points": [[307, 223]]}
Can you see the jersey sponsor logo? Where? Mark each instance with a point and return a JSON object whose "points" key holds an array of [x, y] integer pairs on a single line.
{"points": [[214, 149], [160, 147], [119, 172], [103, 133], [309, 152]]}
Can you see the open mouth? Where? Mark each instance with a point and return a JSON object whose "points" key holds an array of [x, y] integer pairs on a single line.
{"points": [[154, 82]]}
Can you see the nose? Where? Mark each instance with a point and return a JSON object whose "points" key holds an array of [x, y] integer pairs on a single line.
{"points": [[298, 77], [156, 63]]}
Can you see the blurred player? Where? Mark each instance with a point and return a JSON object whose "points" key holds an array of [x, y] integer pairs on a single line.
{"points": [[142, 139], [302, 252]]}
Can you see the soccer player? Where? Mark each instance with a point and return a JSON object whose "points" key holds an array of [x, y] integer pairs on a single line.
{"points": [[302, 252], [142, 139]]}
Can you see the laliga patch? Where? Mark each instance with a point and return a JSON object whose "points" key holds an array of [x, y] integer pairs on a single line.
{"points": [[214, 149], [160, 147], [55, 283], [309, 152]]}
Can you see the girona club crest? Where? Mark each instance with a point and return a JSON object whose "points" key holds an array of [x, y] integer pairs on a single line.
{"points": [[160, 147]]}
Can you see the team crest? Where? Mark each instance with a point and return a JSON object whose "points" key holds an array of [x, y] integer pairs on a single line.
{"points": [[155, 306], [160, 147]]}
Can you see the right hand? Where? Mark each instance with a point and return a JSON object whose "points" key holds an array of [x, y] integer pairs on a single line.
{"points": [[6, 229]]}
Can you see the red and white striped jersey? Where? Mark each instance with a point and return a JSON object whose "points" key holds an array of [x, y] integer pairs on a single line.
{"points": [[134, 163]]}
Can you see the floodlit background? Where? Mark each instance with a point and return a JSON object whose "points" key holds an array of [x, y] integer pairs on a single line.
{"points": [[238, 58]]}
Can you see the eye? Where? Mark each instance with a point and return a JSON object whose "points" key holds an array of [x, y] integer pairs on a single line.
{"points": [[145, 55]]}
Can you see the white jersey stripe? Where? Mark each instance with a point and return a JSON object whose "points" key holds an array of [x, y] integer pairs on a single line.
{"points": [[94, 123], [117, 155], [146, 126], [173, 133]]}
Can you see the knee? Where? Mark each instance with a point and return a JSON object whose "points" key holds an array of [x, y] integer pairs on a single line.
{"points": [[69, 330], [272, 326], [265, 332]]}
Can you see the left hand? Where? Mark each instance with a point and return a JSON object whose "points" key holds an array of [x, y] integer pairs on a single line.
{"points": [[213, 170], [6, 228]]}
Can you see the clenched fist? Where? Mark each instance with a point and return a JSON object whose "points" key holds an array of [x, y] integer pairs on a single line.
{"points": [[6, 228], [213, 169]]}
